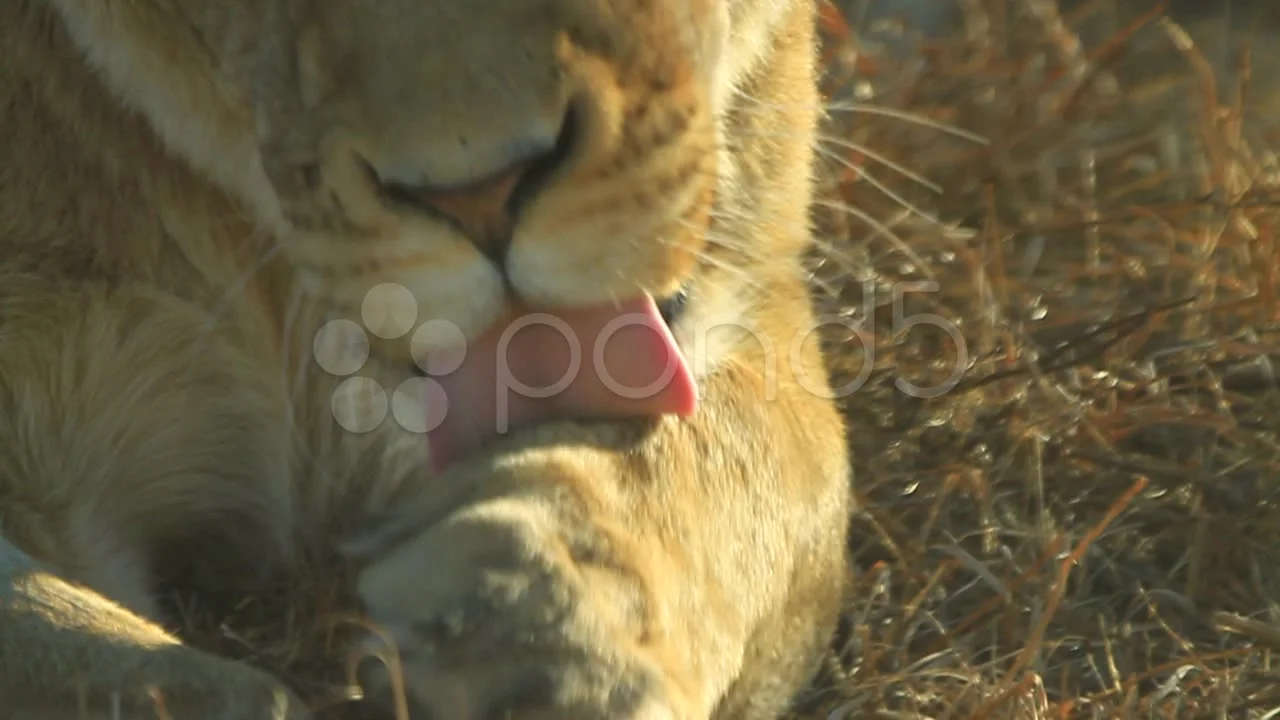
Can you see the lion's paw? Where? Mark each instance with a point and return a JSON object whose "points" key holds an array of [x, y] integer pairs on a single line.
{"points": [[502, 611], [257, 698], [191, 686]]}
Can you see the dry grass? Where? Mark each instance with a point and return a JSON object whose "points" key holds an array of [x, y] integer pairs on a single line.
{"points": [[1086, 525]]}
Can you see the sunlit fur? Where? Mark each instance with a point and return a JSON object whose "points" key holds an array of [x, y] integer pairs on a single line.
{"points": [[183, 202]]}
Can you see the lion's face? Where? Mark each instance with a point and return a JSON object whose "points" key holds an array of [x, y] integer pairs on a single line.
{"points": [[558, 152], [477, 152]]}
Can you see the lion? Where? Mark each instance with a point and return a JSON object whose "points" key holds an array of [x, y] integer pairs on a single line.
{"points": [[239, 242]]}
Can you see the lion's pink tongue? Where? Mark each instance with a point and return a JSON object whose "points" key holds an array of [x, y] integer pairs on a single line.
{"points": [[608, 361]]}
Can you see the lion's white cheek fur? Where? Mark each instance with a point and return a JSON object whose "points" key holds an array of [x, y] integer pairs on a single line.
{"points": [[471, 296], [459, 286]]}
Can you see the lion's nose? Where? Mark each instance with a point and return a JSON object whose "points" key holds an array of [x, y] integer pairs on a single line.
{"points": [[482, 210], [487, 210]]}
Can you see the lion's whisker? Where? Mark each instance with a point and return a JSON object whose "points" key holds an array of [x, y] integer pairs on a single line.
{"points": [[882, 229], [913, 118], [237, 287], [900, 169], [878, 185]]}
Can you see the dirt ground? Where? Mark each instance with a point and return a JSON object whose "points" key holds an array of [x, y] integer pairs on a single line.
{"points": [[1066, 448]]}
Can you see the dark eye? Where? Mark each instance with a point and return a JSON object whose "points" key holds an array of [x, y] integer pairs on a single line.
{"points": [[673, 307]]}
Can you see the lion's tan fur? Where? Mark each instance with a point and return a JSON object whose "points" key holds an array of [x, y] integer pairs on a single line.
{"points": [[180, 210]]}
